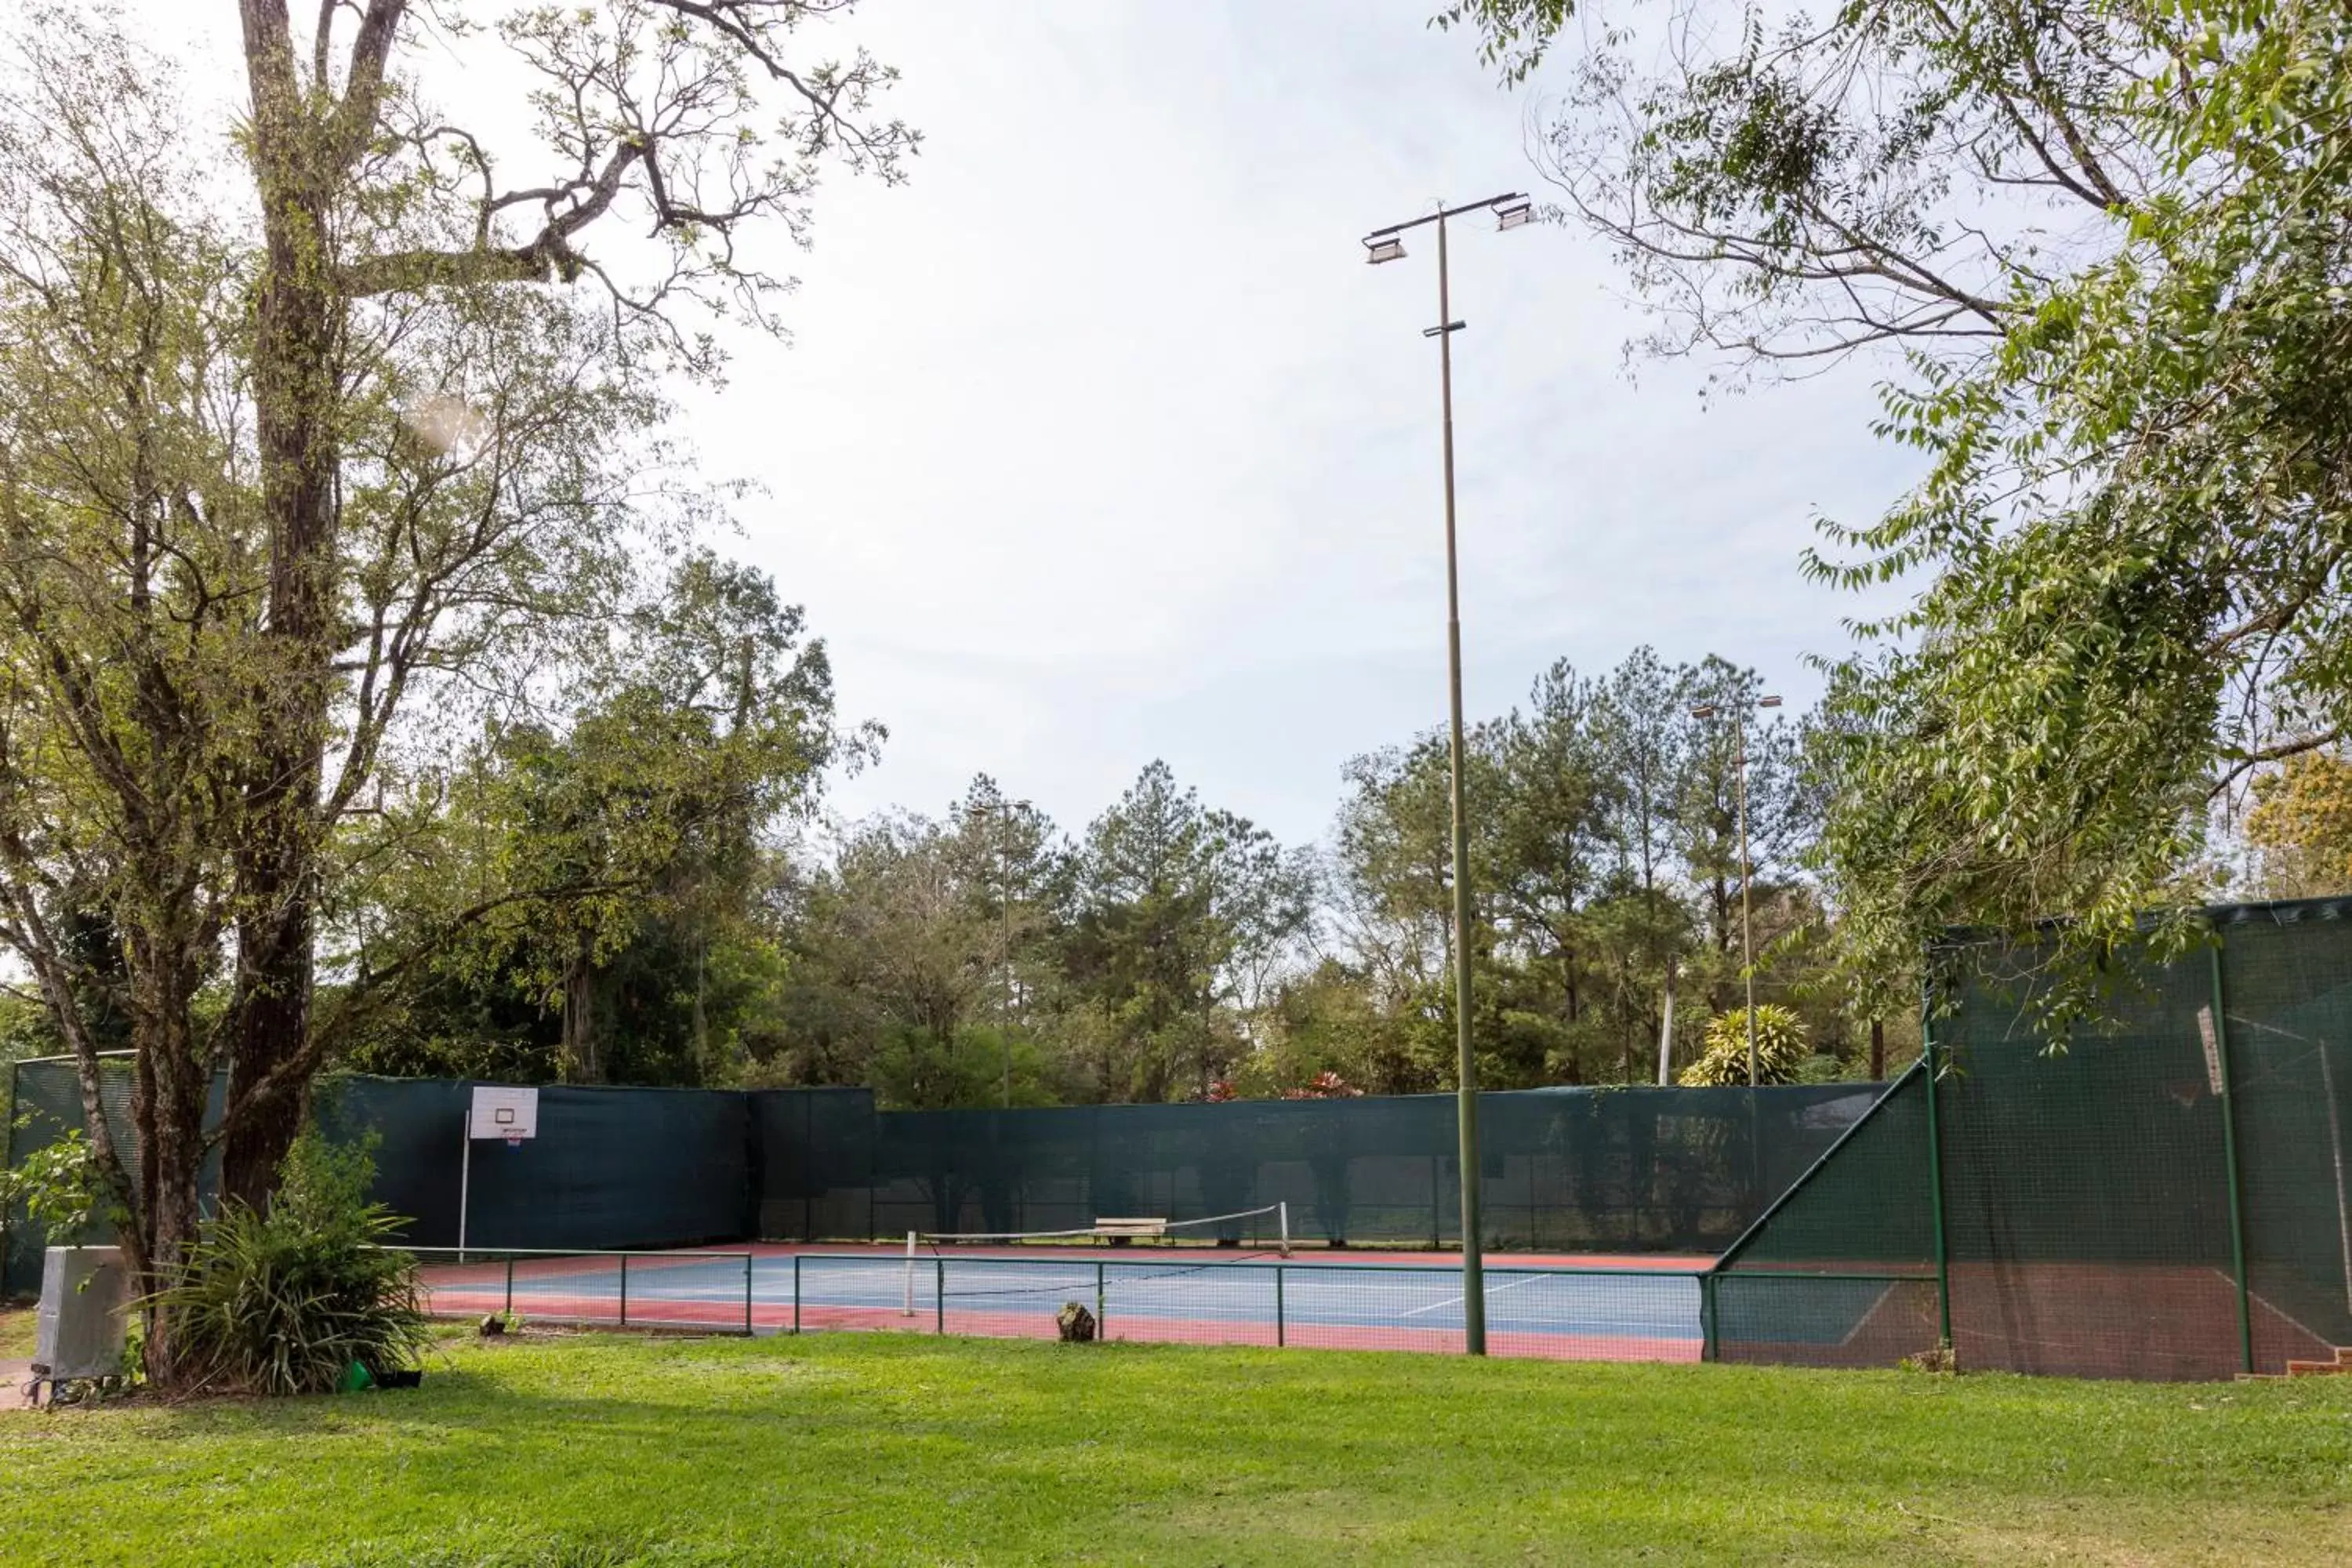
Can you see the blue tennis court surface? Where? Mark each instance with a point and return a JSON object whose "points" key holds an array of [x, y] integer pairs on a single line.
{"points": [[1632, 1314]]}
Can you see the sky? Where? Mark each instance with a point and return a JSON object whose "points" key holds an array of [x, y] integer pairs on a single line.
{"points": [[1098, 442]]}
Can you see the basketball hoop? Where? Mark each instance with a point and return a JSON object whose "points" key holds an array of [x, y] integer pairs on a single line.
{"points": [[514, 1139]]}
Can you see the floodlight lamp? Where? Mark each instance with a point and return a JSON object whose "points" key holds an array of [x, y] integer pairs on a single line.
{"points": [[1767, 702], [1379, 250], [1514, 214]]}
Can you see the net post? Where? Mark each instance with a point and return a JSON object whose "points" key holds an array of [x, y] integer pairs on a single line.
{"points": [[909, 1308], [796, 1292], [940, 1294], [464, 1178], [1936, 1172], [1279, 1337], [2230, 1160], [624, 1290]]}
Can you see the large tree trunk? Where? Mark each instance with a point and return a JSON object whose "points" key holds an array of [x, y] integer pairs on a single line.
{"points": [[579, 1050], [297, 321]]}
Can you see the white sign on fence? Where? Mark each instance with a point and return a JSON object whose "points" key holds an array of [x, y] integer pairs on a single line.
{"points": [[508, 1113]]}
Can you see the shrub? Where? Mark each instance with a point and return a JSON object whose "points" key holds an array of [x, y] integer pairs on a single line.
{"points": [[1780, 1049], [284, 1301]]}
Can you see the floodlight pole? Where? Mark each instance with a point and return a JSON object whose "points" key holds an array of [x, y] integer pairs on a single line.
{"points": [[1384, 246], [1004, 810], [1747, 875]]}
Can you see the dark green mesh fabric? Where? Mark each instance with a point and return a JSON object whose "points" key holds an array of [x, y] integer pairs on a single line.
{"points": [[814, 1174], [48, 1102], [2086, 1193], [2086, 1190], [1633, 1170], [2287, 989], [609, 1168], [1843, 1271], [1574, 1170]]}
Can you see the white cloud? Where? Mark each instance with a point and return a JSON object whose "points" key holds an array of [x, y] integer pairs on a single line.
{"points": [[1097, 441]]}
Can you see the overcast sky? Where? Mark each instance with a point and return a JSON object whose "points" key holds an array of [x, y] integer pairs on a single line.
{"points": [[1098, 441]]}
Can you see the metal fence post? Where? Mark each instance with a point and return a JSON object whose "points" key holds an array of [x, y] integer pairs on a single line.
{"points": [[624, 1290], [747, 1294], [2229, 1086], [1102, 1316], [509, 1286], [1935, 1175], [1708, 1346], [7, 1162], [940, 1294], [796, 1292], [1279, 1334]]}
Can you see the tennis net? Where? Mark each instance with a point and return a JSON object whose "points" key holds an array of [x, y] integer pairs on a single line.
{"points": [[1266, 1229]]}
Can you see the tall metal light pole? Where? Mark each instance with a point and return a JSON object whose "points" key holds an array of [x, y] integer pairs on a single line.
{"points": [[1747, 926], [1510, 209], [1003, 810]]}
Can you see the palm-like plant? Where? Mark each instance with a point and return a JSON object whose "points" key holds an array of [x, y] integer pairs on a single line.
{"points": [[1780, 1047]]}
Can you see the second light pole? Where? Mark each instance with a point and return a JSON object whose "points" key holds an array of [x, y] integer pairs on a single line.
{"points": [[1510, 210], [1003, 810]]}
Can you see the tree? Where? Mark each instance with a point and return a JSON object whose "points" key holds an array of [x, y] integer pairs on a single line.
{"points": [[2135, 517], [2110, 243], [1784, 190], [629, 842], [373, 203], [1175, 907], [286, 501], [900, 964], [2301, 827]]}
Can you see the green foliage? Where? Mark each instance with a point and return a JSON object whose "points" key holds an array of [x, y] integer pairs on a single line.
{"points": [[1605, 854], [2301, 825], [2133, 514], [2109, 243], [60, 1187], [284, 1301], [1781, 1052]]}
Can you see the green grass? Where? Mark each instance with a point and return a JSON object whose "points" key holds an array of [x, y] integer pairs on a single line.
{"points": [[886, 1448], [16, 1326]]}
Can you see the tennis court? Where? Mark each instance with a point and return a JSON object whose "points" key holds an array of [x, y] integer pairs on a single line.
{"points": [[1617, 1309]]}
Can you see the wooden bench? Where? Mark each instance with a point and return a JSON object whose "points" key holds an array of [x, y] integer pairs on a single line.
{"points": [[1123, 1230]]}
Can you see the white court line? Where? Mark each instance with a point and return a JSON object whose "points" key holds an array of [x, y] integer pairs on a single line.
{"points": [[1457, 1300]]}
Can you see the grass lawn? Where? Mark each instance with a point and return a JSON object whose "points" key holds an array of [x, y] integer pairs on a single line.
{"points": [[855, 1448], [17, 1326]]}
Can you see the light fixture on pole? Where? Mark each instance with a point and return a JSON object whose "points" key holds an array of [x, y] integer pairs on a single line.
{"points": [[1746, 925], [1510, 210], [1003, 810]]}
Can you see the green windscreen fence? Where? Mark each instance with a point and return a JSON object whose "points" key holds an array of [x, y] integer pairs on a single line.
{"points": [[1608, 1171], [2164, 1196], [1842, 1272], [1603, 1171], [609, 1168]]}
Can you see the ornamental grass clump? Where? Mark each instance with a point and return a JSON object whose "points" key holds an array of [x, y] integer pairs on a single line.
{"points": [[285, 1300]]}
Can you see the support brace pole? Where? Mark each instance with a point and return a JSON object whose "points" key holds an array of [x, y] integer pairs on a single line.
{"points": [[2229, 1088]]}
